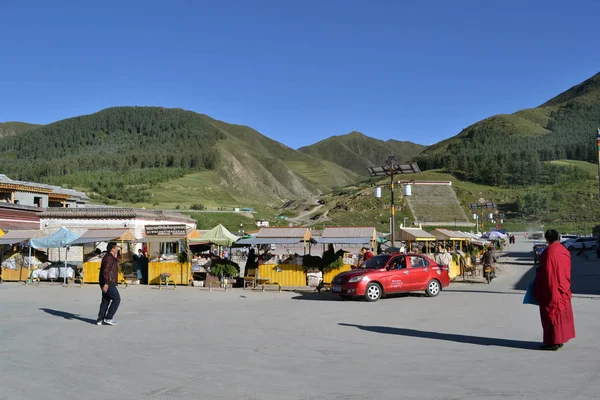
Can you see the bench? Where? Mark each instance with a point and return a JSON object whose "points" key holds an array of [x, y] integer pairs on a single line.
{"points": [[253, 280], [264, 285], [164, 278]]}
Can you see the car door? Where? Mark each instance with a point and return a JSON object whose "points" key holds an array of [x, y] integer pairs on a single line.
{"points": [[397, 275], [419, 272]]}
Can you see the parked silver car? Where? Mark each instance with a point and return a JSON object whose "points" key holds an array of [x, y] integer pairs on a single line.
{"points": [[577, 244]]}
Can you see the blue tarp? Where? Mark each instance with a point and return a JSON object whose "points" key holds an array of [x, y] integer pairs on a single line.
{"points": [[61, 238]]}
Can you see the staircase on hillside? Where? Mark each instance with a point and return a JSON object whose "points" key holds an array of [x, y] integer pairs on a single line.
{"points": [[436, 204]]}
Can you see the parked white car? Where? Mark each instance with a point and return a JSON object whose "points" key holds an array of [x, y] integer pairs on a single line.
{"points": [[577, 244], [564, 238]]}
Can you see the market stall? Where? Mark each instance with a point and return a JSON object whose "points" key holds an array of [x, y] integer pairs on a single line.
{"points": [[453, 238], [218, 236], [15, 267], [284, 269], [347, 236], [92, 256], [168, 254], [60, 239], [416, 239]]}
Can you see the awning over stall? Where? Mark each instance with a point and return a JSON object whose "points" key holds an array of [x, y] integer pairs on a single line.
{"points": [[414, 235], [104, 235], [61, 238], [446, 234], [218, 235], [258, 241], [349, 235], [19, 236]]}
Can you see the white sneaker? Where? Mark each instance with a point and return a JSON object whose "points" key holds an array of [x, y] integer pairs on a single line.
{"points": [[110, 322], [98, 322]]}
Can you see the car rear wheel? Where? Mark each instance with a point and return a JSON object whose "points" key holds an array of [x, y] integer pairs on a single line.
{"points": [[373, 292], [433, 288]]}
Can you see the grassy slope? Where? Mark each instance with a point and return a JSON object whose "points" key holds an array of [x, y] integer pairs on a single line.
{"points": [[14, 128], [573, 207], [531, 121]]}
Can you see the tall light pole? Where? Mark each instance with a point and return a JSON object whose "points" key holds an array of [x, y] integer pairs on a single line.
{"points": [[481, 205], [391, 167]]}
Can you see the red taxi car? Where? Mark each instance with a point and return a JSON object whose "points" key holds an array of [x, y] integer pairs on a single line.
{"points": [[392, 273]]}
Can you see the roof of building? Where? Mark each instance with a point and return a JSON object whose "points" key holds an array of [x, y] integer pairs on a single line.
{"points": [[112, 212], [349, 232], [447, 234], [53, 189], [282, 232]]}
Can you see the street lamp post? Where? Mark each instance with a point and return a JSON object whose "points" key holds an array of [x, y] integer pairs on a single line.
{"points": [[391, 167], [482, 204]]}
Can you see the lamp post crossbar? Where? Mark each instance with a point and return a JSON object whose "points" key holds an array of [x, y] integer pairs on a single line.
{"points": [[391, 167]]}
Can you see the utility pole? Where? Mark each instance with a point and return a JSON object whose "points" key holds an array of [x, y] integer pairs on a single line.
{"points": [[391, 167], [482, 204]]}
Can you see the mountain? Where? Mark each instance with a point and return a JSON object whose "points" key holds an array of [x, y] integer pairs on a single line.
{"points": [[356, 151], [515, 149], [120, 153], [14, 128]]}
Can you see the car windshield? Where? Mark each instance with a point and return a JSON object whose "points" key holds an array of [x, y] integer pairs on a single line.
{"points": [[376, 262]]}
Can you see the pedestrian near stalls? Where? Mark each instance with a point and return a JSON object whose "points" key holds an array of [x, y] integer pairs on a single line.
{"points": [[109, 278], [552, 290]]}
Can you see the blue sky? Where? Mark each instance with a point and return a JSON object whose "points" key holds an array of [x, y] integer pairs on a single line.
{"points": [[298, 72]]}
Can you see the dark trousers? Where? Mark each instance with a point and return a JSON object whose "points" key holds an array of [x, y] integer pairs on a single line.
{"points": [[111, 297]]}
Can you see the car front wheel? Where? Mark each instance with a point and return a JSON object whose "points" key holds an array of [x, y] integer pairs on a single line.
{"points": [[433, 288], [373, 292]]}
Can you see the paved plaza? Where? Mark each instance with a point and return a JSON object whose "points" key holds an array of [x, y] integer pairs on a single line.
{"points": [[474, 341]]}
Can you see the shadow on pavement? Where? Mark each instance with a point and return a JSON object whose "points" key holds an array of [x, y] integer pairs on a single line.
{"points": [[328, 296], [67, 315], [450, 337], [478, 291]]}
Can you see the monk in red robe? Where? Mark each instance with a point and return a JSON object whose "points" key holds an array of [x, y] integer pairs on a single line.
{"points": [[552, 289]]}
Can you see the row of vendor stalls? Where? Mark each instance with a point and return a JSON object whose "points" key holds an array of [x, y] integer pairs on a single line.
{"points": [[23, 260], [169, 250]]}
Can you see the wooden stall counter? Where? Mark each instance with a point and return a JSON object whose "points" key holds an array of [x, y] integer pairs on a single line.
{"points": [[283, 274], [180, 273], [91, 272]]}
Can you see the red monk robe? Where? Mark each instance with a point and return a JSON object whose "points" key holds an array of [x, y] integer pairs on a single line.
{"points": [[552, 289]]}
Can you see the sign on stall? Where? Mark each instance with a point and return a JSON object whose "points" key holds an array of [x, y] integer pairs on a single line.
{"points": [[165, 230]]}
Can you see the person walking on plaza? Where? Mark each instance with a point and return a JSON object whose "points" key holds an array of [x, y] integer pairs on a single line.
{"points": [[552, 290], [109, 273]]}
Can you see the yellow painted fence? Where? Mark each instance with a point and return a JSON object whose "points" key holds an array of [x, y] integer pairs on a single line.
{"points": [[181, 273], [91, 272], [290, 275], [14, 275], [330, 274]]}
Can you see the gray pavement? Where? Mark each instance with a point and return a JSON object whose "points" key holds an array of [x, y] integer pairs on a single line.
{"points": [[474, 341]]}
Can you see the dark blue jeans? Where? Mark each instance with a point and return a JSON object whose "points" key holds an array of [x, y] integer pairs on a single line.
{"points": [[110, 302]]}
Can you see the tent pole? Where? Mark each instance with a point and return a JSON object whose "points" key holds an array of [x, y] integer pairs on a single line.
{"points": [[65, 274], [28, 266]]}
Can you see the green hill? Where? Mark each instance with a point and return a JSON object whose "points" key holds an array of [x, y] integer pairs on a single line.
{"points": [[570, 206], [121, 154], [513, 149], [356, 151], [8, 129]]}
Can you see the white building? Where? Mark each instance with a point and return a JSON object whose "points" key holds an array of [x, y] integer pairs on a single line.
{"points": [[136, 220]]}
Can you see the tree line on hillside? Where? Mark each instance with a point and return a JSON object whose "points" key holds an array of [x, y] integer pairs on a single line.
{"points": [[489, 155], [114, 149]]}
